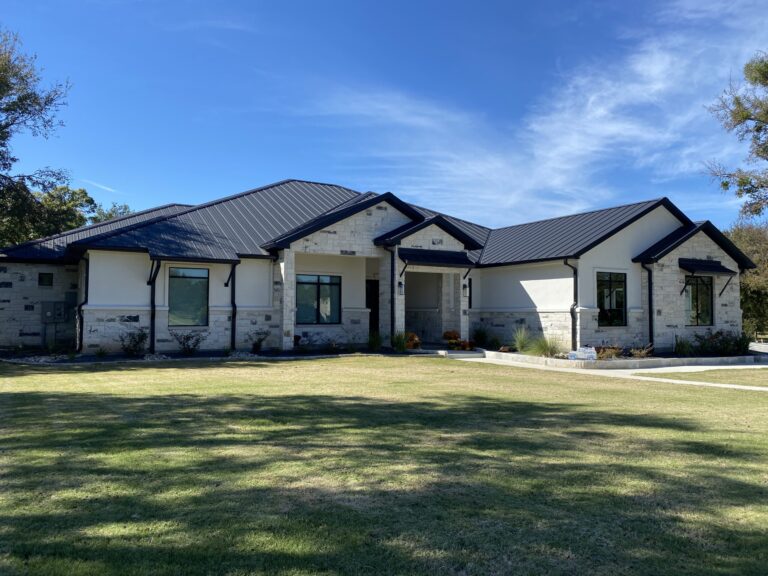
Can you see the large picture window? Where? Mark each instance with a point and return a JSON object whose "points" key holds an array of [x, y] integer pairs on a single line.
{"points": [[318, 299], [699, 300], [612, 299], [188, 297]]}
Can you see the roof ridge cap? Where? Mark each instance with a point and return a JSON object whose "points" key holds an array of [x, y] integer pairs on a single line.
{"points": [[650, 201]]}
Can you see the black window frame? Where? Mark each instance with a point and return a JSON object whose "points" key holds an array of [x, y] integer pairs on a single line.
{"points": [[604, 316], [317, 283], [207, 296], [692, 284], [41, 275]]}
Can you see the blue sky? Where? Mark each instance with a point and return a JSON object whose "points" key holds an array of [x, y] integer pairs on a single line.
{"points": [[498, 112]]}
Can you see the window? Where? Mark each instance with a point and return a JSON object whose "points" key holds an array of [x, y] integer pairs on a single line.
{"points": [[318, 299], [699, 300], [188, 297], [612, 299], [45, 279]]}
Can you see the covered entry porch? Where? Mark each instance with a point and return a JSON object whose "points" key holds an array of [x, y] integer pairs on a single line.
{"points": [[435, 292]]}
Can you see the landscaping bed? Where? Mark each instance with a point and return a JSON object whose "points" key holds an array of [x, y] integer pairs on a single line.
{"points": [[624, 363]]}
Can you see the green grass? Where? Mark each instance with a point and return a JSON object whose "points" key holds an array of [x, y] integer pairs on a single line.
{"points": [[376, 466], [745, 377]]}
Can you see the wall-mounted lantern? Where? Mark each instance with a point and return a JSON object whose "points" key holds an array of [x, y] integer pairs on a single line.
{"points": [[464, 290], [400, 288]]}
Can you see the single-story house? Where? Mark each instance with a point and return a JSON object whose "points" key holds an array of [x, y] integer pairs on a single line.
{"points": [[314, 264]]}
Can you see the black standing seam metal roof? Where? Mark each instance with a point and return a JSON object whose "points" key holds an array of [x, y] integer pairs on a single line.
{"points": [[53, 248], [251, 223], [566, 236], [226, 229], [681, 235]]}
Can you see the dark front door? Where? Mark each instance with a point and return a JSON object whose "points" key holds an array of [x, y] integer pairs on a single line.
{"points": [[372, 303]]}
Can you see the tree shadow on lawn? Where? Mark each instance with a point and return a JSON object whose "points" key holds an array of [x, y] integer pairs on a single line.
{"points": [[13, 370], [190, 484]]}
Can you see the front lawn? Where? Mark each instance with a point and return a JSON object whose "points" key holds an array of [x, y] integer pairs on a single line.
{"points": [[376, 466], [744, 376]]}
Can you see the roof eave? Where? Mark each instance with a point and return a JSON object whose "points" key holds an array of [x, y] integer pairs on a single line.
{"points": [[532, 261]]}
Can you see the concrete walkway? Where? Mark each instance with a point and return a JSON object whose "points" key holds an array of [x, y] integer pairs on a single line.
{"points": [[632, 374]]}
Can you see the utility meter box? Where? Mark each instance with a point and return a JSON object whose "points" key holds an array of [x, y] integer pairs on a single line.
{"points": [[54, 312]]}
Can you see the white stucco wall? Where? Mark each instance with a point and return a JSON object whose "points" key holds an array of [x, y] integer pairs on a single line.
{"points": [[254, 283], [545, 286], [118, 278], [616, 253], [431, 238]]}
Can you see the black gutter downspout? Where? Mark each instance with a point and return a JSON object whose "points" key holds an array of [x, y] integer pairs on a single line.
{"points": [[575, 303], [391, 292], [650, 303], [153, 272], [80, 319], [231, 281]]}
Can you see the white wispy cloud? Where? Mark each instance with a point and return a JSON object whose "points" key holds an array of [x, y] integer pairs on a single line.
{"points": [[100, 186], [644, 112]]}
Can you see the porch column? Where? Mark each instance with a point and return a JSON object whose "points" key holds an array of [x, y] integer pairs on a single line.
{"points": [[399, 298], [463, 306], [453, 305], [288, 273], [385, 279]]}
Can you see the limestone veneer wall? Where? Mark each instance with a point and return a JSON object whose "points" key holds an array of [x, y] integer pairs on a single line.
{"points": [[669, 305], [21, 304], [553, 324], [432, 238]]}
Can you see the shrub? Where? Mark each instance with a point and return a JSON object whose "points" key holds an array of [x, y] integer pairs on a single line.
{"points": [[643, 352], [256, 338], [374, 342], [494, 344], [399, 342], [480, 336], [721, 343], [544, 347], [100, 352], [682, 347], [189, 342], [412, 341], [134, 342], [608, 352], [461, 345], [521, 339], [451, 335]]}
